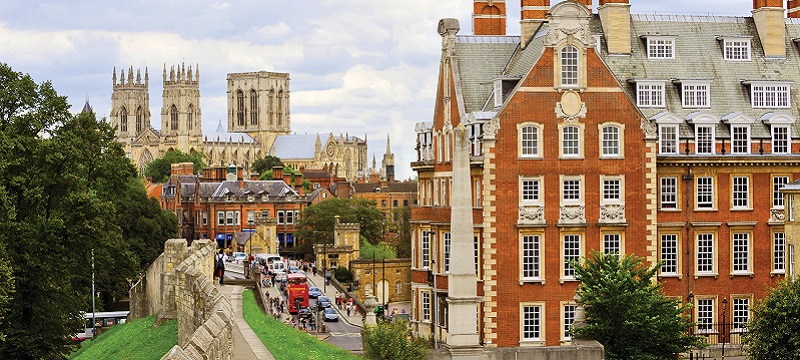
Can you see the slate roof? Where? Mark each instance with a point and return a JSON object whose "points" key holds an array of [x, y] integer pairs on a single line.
{"points": [[294, 147], [274, 188], [392, 187], [481, 59], [699, 55]]}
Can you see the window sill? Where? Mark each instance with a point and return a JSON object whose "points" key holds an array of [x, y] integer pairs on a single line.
{"points": [[531, 281], [705, 209], [562, 157], [612, 157], [777, 273], [675, 276], [564, 280], [750, 274], [741, 209], [670, 210], [530, 158], [529, 343], [699, 275]]}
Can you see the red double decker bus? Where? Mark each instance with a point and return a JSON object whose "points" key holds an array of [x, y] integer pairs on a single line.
{"points": [[296, 292]]}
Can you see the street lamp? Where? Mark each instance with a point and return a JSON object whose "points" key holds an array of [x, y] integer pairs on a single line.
{"points": [[724, 306]]}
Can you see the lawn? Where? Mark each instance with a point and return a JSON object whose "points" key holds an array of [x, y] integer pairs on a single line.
{"points": [[284, 342], [134, 340]]}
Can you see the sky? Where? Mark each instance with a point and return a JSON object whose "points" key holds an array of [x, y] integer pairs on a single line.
{"points": [[359, 67]]}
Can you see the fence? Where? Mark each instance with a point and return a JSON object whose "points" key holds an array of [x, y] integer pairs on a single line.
{"points": [[718, 334]]}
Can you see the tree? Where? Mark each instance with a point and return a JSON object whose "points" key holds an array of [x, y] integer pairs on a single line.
{"points": [[391, 341], [402, 228], [266, 164], [772, 332], [61, 180], [377, 251], [317, 221], [628, 313], [160, 169]]}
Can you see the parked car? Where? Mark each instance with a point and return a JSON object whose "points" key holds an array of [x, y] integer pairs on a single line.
{"points": [[280, 276], [294, 269], [239, 257], [324, 301], [314, 292], [331, 314]]}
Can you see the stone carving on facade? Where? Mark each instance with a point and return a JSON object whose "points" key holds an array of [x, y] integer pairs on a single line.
{"points": [[650, 129], [491, 128], [531, 215], [612, 213], [777, 215], [573, 214], [569, 21]]}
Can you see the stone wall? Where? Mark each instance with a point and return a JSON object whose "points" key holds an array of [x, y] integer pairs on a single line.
{"points": [[179, 285], [397, 273], [586, 350]]}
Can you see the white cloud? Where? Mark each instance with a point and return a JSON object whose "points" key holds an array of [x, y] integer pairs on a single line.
{"points": [[273, 31], [220, 6]]}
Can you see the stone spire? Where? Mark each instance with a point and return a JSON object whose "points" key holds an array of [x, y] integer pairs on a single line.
{"points": [[462, 301]]}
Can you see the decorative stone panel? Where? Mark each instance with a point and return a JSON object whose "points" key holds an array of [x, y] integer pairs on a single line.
{"points": [[572, 214], [612, 214], [531, 215]]}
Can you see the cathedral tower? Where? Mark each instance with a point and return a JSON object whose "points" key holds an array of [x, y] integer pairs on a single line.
{"points": [[181, 118], [130, 105], [258, 104], [388, 162]]}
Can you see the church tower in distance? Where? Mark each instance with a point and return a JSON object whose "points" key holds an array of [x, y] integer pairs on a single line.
{"points": [[258, 104], [130, 105], [181, 118]]}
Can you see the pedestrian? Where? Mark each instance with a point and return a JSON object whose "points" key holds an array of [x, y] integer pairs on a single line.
{"points": [[220, 267], [340, 300], [348, 309]]}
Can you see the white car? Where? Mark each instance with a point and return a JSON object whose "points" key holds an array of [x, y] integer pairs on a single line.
{"points": [[239, 257]]}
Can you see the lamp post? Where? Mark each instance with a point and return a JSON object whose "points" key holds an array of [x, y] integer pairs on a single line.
{"points": [[691, 311], [724, 306], [94, 313]]}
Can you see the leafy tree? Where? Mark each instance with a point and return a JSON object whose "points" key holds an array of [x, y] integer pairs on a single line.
{"points": [[402, 229], [160, 169], [391, 341], [378, 251], [266, 164], [62, 180], [628, 313], [772, 332], [317, 221], [343, 274]]}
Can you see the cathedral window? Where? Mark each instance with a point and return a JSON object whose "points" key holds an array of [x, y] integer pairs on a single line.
{"points": [[190, 117], [271, 107], [173, 116], [123, 120], [139, 120], [280, 108], [240, 108], [253, 107]]}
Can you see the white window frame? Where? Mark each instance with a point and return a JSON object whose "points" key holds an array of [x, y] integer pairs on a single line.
{"points": [[669, 252], [740, 193], [705, 244], [781, 139], [778, 182], [705, 136], [741, 253], [568, 313], [498, 92], [660, 47], [530, 191], [229, 219], [531, 250], [696, 94], [237, 216], [740, 146], [569, 56], [705, 190], [770, 95], [530, 140], [571, 147], [575, 185], [611, 136], [611, 186], [532, 323], [205, 217], [220, 218], [281, 217], [740, 313], [778, 252], [571, 249], [668, 193], [666, 144], [447, 237], [612, 243], [426, 306], [650, 94], [425, 247], [290, 217], [705, 315], [736, 48]]}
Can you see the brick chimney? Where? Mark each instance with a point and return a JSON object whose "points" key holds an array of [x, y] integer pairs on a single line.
{"points": [[615, 16], [298, 184], [768, 16], [531, 17], [489, 17], [794, 8], [277, 173]]}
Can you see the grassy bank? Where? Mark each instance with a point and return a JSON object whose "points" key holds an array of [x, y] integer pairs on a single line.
{"points": [[134, 340], [284, 342]]}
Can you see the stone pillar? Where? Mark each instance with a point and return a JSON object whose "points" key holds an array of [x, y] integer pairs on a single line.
{"points": [[369, 306], [462, 301], [175, 252]]}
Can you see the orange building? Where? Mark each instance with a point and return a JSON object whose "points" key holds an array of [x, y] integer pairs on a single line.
{"points": [[665, 137]]}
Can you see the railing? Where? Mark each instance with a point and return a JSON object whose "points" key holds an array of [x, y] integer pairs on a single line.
{"points": [[718, 334]]}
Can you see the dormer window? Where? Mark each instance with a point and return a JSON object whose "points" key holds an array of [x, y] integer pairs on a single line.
{"points": [[736, 48], [780, 126], [502, 88], [668, 132], [650, 93], [660, 47], [704, 132], [741, 126], [770, 94], [695, 94]]}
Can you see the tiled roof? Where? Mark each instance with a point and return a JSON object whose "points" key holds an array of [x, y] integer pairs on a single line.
{"points": [[480, 60], [295, 147]]}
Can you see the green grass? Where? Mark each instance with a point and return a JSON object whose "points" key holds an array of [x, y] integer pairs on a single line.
{"points": [[284, 342], [134, 340]]}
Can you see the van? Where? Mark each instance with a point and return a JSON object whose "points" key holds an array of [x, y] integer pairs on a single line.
{"points": [[278, 267], [265, 260]]}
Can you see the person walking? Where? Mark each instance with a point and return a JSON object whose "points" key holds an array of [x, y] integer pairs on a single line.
{"points": [[348, 309], [220, 267]]}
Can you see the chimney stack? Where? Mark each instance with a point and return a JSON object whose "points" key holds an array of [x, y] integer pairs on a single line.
{"points": [[277, 173], [489, 17], [794, 8], [615, 17], [533, 14], [768, 16]]}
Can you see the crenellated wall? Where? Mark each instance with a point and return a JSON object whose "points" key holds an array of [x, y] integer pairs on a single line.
{"points": [[179, 285]]}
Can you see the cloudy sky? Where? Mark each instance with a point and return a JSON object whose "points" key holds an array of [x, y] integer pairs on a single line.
{"points": [[356, 66]]}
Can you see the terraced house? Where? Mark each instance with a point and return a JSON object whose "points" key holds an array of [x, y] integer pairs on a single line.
{"points": [[664, 136]]}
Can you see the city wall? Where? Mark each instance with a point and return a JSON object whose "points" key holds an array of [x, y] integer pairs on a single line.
{"points": [[581, 350], [179, 285]]}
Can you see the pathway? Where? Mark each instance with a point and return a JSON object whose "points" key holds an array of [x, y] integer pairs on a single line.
{"points": [[246, 344]]}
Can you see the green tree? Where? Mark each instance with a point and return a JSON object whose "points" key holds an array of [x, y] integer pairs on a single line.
{"points": [[628, 313], [343, 274], [401, 227], [391, 341], [160, 169], [377, 251], [266, 164], [61, 177], [773, 331], [316, 221]]}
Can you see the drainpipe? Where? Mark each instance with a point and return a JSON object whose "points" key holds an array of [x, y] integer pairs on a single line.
{"points": [[689, 179]]}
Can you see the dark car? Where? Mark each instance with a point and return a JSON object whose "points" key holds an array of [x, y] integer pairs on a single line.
{"points": [[314, 292], [304, 313], [324, 301]]}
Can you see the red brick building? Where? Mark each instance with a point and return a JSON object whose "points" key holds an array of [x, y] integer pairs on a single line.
{"points": [[665, 137]]}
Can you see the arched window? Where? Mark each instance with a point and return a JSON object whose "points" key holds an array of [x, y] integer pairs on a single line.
{"points": [[569, 66], [190, 118], [240, 107], [173, 117], [253, 107], [139, 120], [271, 107], [123, 120], [280, 108]]}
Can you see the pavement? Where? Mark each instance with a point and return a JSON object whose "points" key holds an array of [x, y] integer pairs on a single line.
{"points": [[246, 344]]}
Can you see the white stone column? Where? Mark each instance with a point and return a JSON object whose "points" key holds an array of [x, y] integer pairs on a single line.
{"points": [[463, 300]]}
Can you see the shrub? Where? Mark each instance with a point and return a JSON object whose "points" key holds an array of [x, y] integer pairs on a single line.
{"points": [[343, 275], [391, 341]]}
